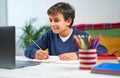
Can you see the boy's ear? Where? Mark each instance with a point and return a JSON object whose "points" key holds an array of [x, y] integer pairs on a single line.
{"points": [[69, 21]]}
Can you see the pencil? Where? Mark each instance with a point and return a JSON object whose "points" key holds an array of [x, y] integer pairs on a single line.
{"points": [[77, 41], [36, 44]]}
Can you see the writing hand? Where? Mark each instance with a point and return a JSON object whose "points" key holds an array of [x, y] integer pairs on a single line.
{"points": [[41, 54]]}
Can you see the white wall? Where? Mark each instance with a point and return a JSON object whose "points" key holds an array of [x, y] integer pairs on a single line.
{"points": [[3, 12], [87, 11]]}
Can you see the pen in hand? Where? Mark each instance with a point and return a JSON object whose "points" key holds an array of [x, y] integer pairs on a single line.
{"points": [[36, 44], [40, 55]]}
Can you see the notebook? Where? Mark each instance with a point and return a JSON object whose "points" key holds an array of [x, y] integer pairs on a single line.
{"points": [[107, 68], [8, 50]]}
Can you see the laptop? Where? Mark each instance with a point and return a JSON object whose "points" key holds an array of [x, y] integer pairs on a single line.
{"points": [[8, 50]]}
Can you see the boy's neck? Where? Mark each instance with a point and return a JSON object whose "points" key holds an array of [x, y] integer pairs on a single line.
{"points": [[66, 33]]}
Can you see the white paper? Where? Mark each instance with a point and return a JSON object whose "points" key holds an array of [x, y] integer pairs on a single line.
{"points": [[55, 59]]}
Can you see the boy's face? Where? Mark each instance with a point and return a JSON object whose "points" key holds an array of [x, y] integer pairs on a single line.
{"points": [[58, 24]]}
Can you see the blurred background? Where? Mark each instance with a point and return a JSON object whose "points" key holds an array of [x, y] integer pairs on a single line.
{"points": [[19, 13]]}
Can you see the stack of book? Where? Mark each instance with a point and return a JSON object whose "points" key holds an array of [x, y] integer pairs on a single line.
{"points": [[107, 68]]}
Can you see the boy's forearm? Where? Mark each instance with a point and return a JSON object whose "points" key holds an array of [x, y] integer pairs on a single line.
{"points": [[30, 52]]}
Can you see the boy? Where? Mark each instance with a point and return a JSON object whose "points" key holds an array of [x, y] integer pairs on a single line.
{"points": [[59, 40]]}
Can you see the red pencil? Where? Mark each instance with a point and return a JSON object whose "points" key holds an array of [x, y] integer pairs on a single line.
{"points": [[77, 41]]}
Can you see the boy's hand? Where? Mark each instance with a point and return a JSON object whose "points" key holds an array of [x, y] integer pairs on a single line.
{"points": [[68, 56], [41, 54]]}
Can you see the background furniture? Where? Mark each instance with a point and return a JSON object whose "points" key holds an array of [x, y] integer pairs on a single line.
{"points": [[109, 31]]}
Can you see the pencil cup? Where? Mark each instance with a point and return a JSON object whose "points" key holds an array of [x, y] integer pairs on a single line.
{"points": [[88, 58]]}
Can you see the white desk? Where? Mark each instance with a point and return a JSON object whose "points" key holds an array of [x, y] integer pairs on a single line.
{"points": [[51, 70]]}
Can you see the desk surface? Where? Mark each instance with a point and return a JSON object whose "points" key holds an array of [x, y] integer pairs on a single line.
{"points": [[51, 70]]}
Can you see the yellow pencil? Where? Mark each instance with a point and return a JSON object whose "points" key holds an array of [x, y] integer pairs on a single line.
{"points": [[82, 43]]}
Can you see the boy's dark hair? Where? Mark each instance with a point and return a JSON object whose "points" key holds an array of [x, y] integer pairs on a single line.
{"points": [[65, 8]]}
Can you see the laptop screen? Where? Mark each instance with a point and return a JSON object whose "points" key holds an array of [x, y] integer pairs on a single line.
{"points": [[7, 47]]}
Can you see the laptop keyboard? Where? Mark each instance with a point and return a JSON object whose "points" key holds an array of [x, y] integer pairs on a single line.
{"points": [[21, 64]]}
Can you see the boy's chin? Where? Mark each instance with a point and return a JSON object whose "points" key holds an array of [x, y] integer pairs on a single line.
{"points": [[55, 32]]}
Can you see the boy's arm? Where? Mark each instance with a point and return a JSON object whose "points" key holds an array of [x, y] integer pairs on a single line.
{"points": [[68, 56], [101, 49], [30, 52]]}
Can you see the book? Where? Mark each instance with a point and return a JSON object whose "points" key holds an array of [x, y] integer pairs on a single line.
{"points": [[107, 57], [107, 68]]}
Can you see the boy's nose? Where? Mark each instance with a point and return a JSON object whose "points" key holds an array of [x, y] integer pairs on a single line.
{"points": [[52, 23]]}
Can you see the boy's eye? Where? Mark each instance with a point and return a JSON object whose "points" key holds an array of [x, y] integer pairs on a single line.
{"points": [[56, 20], [50, 20]]}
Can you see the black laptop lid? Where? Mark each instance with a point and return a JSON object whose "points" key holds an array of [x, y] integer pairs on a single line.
{"points": [[7, 47]]}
